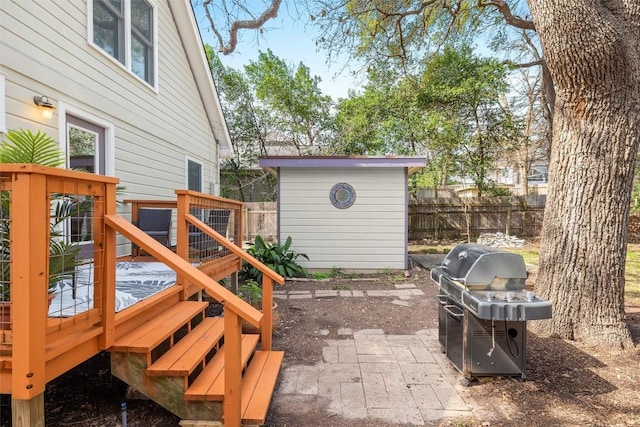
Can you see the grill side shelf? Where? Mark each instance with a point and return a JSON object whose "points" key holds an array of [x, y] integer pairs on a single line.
{"points": [[515, 311]]}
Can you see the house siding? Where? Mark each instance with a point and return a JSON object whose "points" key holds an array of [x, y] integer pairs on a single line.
{"points": [[44, 50], [370, 235]]}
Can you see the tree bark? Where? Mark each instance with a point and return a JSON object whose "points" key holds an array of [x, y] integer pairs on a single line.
{"points": [[592, 50]]}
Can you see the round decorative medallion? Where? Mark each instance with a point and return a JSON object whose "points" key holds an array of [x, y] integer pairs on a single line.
{"points": [[342, 195]]}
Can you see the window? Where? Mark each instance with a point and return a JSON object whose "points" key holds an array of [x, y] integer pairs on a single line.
{"points": [[125, 30], [194, 176], [342, 195]]}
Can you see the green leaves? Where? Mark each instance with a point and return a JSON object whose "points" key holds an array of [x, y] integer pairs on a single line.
{"points": [[279, 257], [62, 260], [300, 112], [251, 292], [24, 146]]}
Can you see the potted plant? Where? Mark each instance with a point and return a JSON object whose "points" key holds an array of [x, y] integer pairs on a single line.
{"points": [[24, 146], [251, 292]]}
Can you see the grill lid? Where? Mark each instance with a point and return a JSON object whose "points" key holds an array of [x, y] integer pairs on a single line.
{"points": [[481, 267]]}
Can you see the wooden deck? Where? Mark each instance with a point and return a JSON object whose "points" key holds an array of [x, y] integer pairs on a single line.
{"points": [[200, 368]]}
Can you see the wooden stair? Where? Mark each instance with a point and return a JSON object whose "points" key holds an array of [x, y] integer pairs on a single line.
{"points": [[176, 359]]}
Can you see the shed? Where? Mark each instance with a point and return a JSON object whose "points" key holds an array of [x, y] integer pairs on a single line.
{"points": [[345, 212]]}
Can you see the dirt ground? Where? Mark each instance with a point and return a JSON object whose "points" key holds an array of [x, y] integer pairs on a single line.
{"points": [[567, 384]]}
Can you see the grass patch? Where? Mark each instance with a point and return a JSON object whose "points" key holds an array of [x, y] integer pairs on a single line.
{"points": [[336, 272], [341, 287], [435, 250], [392, 274], [631, 275], [530, 257]]}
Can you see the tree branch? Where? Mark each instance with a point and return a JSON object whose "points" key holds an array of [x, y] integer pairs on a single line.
{"points": [[509, 18], [240, 24], [525, 64]]}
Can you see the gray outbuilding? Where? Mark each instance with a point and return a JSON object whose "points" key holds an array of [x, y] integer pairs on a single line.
{"points": [[345, 212]]}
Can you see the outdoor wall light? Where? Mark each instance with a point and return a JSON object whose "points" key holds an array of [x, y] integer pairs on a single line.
{"points": [[45, 105]]}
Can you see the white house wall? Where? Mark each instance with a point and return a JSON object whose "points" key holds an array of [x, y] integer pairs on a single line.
{"points": [[44, 51], [370, 235]]}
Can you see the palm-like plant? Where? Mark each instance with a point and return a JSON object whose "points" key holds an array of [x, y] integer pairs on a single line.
{"points": [[277, 256], [24, 146]]}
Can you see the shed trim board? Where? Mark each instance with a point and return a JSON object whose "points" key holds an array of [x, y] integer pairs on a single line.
{"points": [[371, 235], [412, 163]]}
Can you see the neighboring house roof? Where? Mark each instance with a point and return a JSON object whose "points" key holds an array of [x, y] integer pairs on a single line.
{"points": [[192, 42]]}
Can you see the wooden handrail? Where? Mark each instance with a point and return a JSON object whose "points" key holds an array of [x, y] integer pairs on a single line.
{"points": [[236, 250], [235, 308], [184, 268]]}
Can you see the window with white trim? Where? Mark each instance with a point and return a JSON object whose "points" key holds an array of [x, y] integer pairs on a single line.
{"points": [[125, 30], [194, 175]]}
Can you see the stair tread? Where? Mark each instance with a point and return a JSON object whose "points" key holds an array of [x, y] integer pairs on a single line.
{"points": [[150, 334], [258, 384], [210, 383], [190, 351]]}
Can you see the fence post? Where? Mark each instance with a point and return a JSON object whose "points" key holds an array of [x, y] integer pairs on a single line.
{"points": [[246, 226], [468, 218]]}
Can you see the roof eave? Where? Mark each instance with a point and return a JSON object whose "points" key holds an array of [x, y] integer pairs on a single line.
{"points": [[413, 164], [192, 42]]}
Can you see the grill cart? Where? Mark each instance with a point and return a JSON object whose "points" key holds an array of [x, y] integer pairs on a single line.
{"points": [[483, 309]]}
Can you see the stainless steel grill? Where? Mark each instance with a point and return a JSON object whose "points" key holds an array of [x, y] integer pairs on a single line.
{"points": [[483, 310]]}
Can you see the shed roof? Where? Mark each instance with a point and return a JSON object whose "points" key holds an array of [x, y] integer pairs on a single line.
{"points": [[412, 163]]}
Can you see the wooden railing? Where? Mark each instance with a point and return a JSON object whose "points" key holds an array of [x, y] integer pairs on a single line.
{"points": [[189, 205], [41, 348]]}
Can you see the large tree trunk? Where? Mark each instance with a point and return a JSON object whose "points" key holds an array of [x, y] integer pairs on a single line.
{"points": [[592, 49]]}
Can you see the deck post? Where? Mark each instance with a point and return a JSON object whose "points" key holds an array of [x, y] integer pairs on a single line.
{"points": [[28, 413], [106, 271], [267, 311], [233, 369], [29, 289], [182, 232]]}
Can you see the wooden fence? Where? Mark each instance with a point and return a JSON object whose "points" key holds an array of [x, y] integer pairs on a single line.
{"points": [[468, 217], [261, 218], [436, 218]]}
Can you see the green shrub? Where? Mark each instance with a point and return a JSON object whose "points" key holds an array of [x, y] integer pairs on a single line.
{"points": [[336, 272], [279, 257], [251, 292]]}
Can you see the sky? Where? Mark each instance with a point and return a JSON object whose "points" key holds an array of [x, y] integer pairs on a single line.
{"points": [[292, 39]]}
